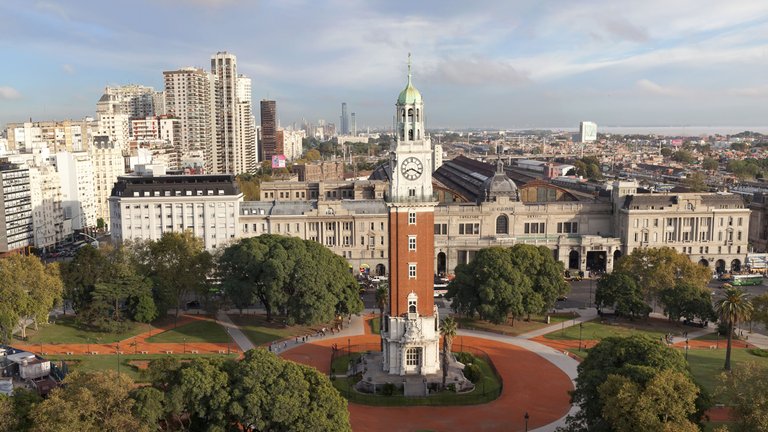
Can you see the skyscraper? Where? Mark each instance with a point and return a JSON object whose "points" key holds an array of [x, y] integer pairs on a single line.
{"points": [[235, 134], [190, 97], [344, 119], [268, 130]]}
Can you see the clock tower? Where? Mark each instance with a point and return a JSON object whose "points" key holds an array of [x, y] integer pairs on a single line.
{"points": [[411, 335]]}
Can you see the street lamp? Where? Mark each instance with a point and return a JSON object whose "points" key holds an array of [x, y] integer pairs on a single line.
{"points": [[118, 361], [581, 326], [686, 349], [526, 417], [185, 346]]}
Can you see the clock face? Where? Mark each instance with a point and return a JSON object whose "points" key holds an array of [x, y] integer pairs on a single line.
{"points": [[411, 168]]}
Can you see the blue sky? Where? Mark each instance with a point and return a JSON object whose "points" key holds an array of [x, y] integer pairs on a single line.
{"points": [[482, 64]]}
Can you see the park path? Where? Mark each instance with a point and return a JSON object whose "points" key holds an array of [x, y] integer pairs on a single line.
{"points": [[584, 316], [234, 332]]}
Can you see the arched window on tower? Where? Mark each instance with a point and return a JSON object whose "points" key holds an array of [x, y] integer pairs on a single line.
{"points": [[410, 114], [502, 225], [403, 113], [417, 114], [410, 134]]}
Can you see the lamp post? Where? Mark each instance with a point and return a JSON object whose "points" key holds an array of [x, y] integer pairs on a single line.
{"points": [[581, 326], [135, 346], [118, 361], [526, 417], [229, 340], [686, 349], [184, 350]]}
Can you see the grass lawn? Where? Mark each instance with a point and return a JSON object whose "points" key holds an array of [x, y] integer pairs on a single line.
{"points": [[710, 426], [707, 365], [486, 390], [196, 331], [375, 325], [260, 331], [91, 363], [596, 330], [66, 330], [341, 363], [519, 327]]}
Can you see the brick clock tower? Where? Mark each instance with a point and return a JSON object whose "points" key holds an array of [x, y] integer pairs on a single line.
{"points": [[411, 334]]}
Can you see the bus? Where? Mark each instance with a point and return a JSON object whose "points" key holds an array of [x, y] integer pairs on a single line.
{"points": [[747, 279], [441, 289]]}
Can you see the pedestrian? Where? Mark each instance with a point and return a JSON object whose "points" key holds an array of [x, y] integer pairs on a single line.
{"points": [[285, 345]]}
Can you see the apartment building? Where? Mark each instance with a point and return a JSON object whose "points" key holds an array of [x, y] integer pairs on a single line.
{"points": [[16, 229], [144, 207]]}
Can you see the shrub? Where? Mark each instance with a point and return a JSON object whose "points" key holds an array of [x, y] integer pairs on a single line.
{"points": [[759, 352], [388, 389], [473, 372], [465, 358]]}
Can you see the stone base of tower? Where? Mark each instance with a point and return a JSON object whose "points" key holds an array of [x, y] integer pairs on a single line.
{"points": [[411, 345]]}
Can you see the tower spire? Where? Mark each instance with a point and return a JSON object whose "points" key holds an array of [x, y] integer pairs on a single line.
{"points": [[409, 68]]}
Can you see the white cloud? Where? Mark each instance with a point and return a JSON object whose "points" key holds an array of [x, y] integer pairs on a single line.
{"points": [[477, 72], [68, 68], [756, 91], [652, 87], [9, 93]]}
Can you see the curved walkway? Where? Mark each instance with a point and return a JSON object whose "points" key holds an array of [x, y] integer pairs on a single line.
{"points": [[530, 385]]}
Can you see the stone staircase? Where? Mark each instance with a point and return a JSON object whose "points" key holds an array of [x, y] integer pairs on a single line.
{"points": [[414, 388]]}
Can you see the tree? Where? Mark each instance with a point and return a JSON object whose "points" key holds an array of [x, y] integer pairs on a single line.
{"points": [[143, 309], [178, 265], [664, 403], [149, 405], [683, 156], [710, 164], [731, 309], [667, 152], [745, 390], [7, 414], [289, 397], [448, 331], [686, 300], [503, 282], [382, 295], [299, 278], [29, 289], [312, 155], [619, 291], [760, 309], [87, 268], [654, 269], [89, 402], [696, 182], [639, 359]]}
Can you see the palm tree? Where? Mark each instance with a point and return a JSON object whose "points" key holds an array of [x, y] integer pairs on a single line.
{"points": [[448, 331], [381, 298], [730, 310]]}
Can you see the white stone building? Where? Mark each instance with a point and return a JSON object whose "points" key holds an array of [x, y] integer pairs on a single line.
{"points": [[47, 208], [144, 207], [108, 165], [78, 191]]}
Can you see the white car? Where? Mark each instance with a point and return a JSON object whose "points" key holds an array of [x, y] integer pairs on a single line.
{"points": [[6, 386]]}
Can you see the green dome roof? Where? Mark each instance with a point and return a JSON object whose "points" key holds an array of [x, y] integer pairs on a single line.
{"points": [[409, 95]]}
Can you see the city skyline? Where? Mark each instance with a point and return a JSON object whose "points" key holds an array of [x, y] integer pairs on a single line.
{"points": [[517, 65]]}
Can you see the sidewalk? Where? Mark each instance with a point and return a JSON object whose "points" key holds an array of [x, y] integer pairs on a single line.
{"points": [[354, 327], [585, 315], [234, 331]]}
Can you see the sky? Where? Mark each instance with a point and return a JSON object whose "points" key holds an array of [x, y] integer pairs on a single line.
{"points": [[478, 64]]}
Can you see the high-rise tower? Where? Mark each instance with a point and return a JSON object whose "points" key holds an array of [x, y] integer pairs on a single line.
{"points": [[411, 336], [344, 119], [268, 130]]}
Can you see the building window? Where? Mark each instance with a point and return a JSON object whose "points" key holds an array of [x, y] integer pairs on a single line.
{"points": [[411, 218], [411, 243], [469, 228], [441, 229], [569, 227], [534, 228], [411, 271], [413, 356], [502, 225]]}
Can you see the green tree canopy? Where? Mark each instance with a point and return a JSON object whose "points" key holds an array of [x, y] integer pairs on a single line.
{"points": [[710, 164], [90, 402], [664, 403], [696, 182], [299, 278], [686, 300], [29, 290], [507, 282], [745, 388], [619, 291], [636, 358], [178, 265], [683, 156], [654, 269]]}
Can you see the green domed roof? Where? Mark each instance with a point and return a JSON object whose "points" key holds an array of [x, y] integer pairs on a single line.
{"points": [[409, 95]]}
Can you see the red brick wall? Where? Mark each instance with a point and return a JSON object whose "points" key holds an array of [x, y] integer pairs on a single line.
{"points": [[400, 257]]}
